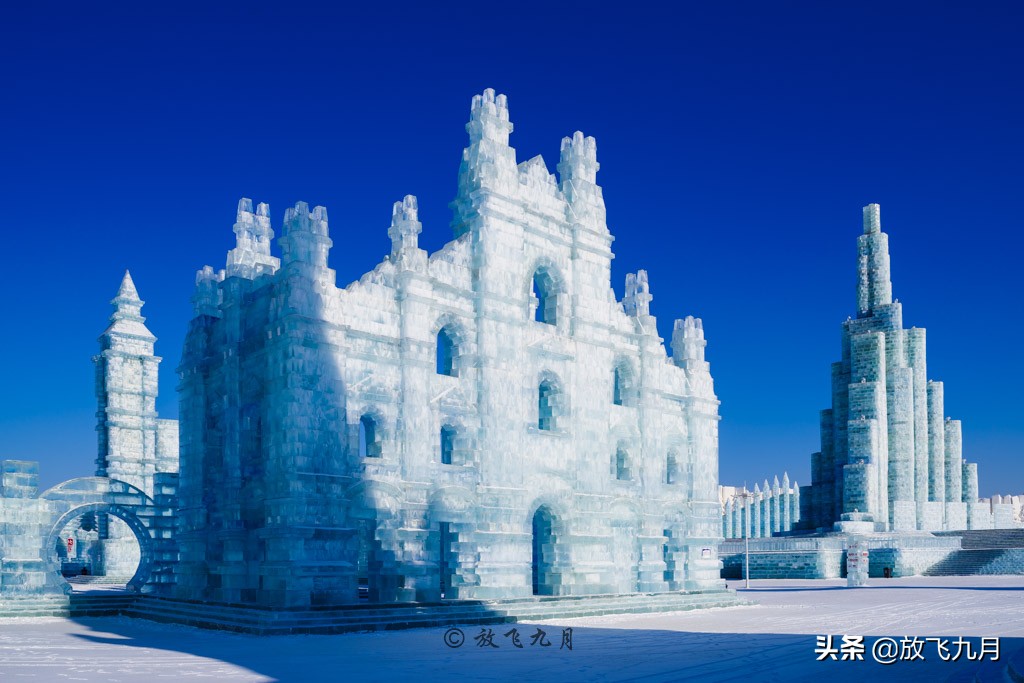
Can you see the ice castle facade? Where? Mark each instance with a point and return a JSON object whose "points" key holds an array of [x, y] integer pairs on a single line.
{"points": [[486, 421]]}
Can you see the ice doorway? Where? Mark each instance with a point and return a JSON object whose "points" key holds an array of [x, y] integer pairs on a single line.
{"points": [[543, 552], [97, 550]]}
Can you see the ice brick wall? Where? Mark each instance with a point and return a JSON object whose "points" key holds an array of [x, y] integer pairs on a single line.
{"points": [[486, 421], [775, 506]]}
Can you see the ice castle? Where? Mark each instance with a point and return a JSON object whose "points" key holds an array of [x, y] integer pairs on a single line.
{"points": [[483, 422]]}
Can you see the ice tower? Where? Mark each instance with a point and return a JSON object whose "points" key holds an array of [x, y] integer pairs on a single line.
{"points": [[888, 455], [134, 444]]}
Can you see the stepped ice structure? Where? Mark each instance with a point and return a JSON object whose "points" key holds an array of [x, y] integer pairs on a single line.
{"points": [[888, 454], [891, 467], [483, 422]]}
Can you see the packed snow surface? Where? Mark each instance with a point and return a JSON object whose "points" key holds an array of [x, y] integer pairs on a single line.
{"points": [[774, 640]]}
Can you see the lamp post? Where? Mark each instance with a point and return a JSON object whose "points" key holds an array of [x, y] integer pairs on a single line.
{"points": [[746, 496]]}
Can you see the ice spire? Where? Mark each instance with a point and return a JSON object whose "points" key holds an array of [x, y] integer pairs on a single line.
{"points": [[874, 286], [127, 316], [127, 304]]}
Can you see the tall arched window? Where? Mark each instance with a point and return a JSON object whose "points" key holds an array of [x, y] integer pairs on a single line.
{"points": [[445, 353], [369, 445], [672, 467], [447, 444], [545, 290], [623, 390], [546, 403], [622, 464]]}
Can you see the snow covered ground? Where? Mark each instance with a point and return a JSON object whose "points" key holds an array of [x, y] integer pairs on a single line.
{"points": [[772, 641]]}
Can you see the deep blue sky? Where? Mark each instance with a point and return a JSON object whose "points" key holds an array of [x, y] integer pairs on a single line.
{"points": [[738, 143]]}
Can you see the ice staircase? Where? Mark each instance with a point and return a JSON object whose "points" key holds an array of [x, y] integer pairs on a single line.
{"points": [[980, 549], [367, 617], [1009, 669], [99, 580], [99, 604]]}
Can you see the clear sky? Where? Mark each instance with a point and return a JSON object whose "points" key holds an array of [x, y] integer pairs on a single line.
{"points": [[738, 143]]}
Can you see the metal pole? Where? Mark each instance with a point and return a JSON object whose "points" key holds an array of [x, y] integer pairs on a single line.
{"points": [[746, 535], [746, 560]]}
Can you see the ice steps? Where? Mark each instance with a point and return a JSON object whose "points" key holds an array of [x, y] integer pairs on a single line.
{"points": [[73, 605], [372, 618], [987, 538], [98, 580], [965, 562]]}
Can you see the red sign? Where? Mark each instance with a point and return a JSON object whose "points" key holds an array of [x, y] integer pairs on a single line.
{"points": [[71, 544]]}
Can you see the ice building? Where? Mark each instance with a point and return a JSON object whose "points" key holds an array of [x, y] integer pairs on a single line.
{"points": [[118, 524], [134, 443], [891, 471], [767, 510], [486, 421], [888, 453]]}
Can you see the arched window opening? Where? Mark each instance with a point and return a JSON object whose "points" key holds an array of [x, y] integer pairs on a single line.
{"points": [[672, 468], [445, 353], [546, 402], [447, 444], [617, 389], [667, 557], [546, 294], [622, 464], [369, 445]]}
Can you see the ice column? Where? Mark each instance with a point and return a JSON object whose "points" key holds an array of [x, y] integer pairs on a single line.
{"points": [[874, 287]]}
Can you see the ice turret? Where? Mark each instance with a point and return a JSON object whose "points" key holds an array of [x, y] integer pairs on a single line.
{"points": [[577, 171], [688, 341], [488, 162], [405, 227], [637, 301], [206, 299], [251, 256], [874, 286], [578, 159], [489, 118], [305, 237]]}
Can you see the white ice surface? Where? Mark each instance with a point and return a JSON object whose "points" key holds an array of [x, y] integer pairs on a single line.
{"points": [[773, 641]]}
